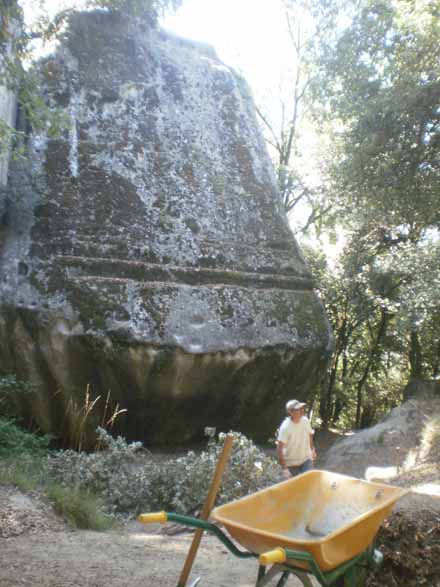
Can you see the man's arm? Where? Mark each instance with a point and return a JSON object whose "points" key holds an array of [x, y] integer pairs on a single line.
{"points": [[280, 453], [281, 459]]}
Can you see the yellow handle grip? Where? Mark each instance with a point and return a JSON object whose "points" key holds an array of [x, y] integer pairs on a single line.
{"points": [[277, 555], [155, 518]]}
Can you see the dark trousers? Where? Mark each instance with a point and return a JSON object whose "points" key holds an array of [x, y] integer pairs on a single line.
{"points": [[298, 469]]}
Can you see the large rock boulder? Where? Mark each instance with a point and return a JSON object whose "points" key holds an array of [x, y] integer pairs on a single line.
{"points": [[145, 250]]}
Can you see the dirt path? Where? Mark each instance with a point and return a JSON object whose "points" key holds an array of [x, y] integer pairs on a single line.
{"points": [[91, 559], [133, 557]]}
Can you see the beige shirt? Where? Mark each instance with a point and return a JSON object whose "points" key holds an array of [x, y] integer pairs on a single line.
{"points": [[296, 437]]}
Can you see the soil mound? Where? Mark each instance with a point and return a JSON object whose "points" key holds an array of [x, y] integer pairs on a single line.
{"points": [[411, 549], [403, 449], [28, 513]]}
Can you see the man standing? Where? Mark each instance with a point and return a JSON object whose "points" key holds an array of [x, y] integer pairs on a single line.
{"points": [[295, 448]]}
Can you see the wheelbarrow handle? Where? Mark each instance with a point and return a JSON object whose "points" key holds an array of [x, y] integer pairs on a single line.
{"points": [[281, 555], [153, 518], [163, 517], [272, 557]]}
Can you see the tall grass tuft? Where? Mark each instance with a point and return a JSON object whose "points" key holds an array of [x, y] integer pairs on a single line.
{"points": [[83, 419], [80, 508], [24, 473]]}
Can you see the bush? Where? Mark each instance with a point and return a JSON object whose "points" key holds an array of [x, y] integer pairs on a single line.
{"points": [[13, 393], [184, 485], [127, 485], [113, 473], [14, 440]]}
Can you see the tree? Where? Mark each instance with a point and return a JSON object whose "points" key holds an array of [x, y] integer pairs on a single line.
{"points": [[16, 48], [377, 89], [380, 81], [137, 7], [361, 313], [283, 130]]}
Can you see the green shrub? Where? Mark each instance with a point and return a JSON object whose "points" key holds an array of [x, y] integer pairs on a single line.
{"points": [[13, 393], [183, 485], [14, 440], [129, 481], [80, 508], [113, 472]]}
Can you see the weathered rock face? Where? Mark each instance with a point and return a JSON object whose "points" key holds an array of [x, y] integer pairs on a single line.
{"points": [[146, 251]]}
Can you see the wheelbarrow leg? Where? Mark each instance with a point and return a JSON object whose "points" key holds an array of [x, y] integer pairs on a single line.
{"points": [[283, 579], [304, 578], [265, 578], [261, 573]]}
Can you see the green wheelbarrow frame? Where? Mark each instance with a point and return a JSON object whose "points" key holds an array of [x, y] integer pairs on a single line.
{"points": [[350, 574]]}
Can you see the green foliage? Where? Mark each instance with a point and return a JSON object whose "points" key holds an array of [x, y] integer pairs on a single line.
{"points": [[137, 7], [286, 130], [380, 83], [375, 88], [129, 480], [80, 508], [16, 441], [111, 472], [13, 393], [23, 464], [16, 50], [365, 373]]}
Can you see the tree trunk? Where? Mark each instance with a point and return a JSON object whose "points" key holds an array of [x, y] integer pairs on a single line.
{"points": [[415, 356], [374, 356]]}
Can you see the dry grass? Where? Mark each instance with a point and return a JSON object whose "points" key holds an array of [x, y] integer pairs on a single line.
{"points": [[83, 418]]}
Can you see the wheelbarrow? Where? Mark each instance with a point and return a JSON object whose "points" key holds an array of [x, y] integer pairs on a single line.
{"points": [[318, 524]]}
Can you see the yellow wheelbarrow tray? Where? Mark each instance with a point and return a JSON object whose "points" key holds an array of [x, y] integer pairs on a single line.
{"points": [[331, 516]]}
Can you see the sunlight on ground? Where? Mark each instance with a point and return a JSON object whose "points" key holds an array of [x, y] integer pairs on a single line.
{"points": [[146, 537], [163, 546], [427, 489], [430, 441], [411, 460], [380, 473]]}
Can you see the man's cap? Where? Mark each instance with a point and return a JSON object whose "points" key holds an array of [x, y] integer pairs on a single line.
{"points": [[294, 404]]}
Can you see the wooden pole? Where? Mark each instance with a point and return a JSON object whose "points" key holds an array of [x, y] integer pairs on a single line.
{"points": [[207, 507]]}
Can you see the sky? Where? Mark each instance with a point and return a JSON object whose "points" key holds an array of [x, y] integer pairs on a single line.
{"points": [[249, 35]]}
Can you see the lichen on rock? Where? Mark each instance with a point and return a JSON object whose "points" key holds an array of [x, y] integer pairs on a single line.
{"points": [[150, 245]]}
